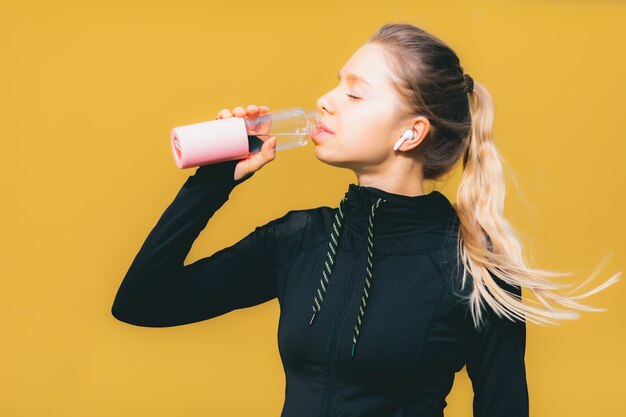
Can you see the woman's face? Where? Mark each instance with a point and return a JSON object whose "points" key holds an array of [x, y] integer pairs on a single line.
{"points": [[366, 115]]}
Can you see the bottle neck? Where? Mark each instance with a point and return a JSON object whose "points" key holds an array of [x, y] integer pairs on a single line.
{"points": [[314, 121]]}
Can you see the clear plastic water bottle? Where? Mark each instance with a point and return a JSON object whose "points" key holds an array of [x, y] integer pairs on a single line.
{"points": [[236, 137]]}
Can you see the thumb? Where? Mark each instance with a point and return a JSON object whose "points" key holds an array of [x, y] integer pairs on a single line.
{"points": [[269, 148]]}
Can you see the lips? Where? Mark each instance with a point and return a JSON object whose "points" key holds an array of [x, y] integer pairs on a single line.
{"points": [[324, 132], [326, 129]]}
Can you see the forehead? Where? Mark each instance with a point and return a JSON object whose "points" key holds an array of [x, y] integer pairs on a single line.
{"points": [[367, 67]]}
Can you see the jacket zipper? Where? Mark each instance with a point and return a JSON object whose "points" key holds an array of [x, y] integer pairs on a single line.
{"points": [[333, 384]]}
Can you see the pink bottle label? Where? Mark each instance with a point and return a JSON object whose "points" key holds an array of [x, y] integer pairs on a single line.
{"points": [[209, 142]]}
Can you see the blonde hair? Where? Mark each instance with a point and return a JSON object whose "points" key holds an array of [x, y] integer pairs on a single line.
{"points": [[429, 78]]}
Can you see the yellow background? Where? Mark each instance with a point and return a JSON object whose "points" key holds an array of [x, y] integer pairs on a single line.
{"points": [[89, 92]]}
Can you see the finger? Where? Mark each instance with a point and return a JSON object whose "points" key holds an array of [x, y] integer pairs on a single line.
{"points": [[252, 112], [252, 108], [239, 111], [267, 153], [223, 114], [265, 126]]}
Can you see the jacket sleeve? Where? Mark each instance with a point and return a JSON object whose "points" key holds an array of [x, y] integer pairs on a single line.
{"points": [[159, 291], [496, 366]]}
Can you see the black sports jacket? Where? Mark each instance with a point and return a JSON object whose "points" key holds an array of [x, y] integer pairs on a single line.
{"points": [[374, 321]]}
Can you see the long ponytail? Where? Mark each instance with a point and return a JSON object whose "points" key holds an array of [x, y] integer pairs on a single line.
{"points": [[488, 244]]}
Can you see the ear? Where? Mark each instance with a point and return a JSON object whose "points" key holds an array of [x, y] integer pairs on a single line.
{"points": [[421, 127]]}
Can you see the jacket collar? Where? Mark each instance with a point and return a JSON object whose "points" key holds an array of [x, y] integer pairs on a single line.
{"points": [[399, 214]]}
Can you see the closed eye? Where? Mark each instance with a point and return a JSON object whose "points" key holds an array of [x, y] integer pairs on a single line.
{"points": [[353, 97]]}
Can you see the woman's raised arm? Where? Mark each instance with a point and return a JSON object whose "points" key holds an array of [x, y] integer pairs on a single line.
{"points": [[159, 291]]}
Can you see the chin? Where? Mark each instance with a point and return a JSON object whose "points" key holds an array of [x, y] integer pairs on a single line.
{"points": [[321, 154], [329, 157]]}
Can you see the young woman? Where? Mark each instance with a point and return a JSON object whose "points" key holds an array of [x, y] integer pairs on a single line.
{"points": [[385, 297]]}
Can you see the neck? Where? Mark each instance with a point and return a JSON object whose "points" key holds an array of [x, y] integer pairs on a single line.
{"points": [[400, 178]]}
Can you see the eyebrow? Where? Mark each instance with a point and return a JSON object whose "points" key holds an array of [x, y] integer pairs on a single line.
{"points": [[354, 77]]}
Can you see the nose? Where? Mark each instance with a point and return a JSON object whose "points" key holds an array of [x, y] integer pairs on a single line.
{"points": [[324, 104]]}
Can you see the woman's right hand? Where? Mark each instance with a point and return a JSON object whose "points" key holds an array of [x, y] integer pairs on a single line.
{"points": [[255, 161]]}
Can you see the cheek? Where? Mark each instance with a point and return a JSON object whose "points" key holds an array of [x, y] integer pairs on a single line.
{"points": [[367, 127]]}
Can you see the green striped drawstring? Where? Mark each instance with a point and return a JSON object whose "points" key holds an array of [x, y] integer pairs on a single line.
{"points": [[333, 242], [328, 265], [368, 273]]}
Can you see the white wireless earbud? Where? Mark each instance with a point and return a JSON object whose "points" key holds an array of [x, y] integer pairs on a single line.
{"points": [[407, 135]]}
